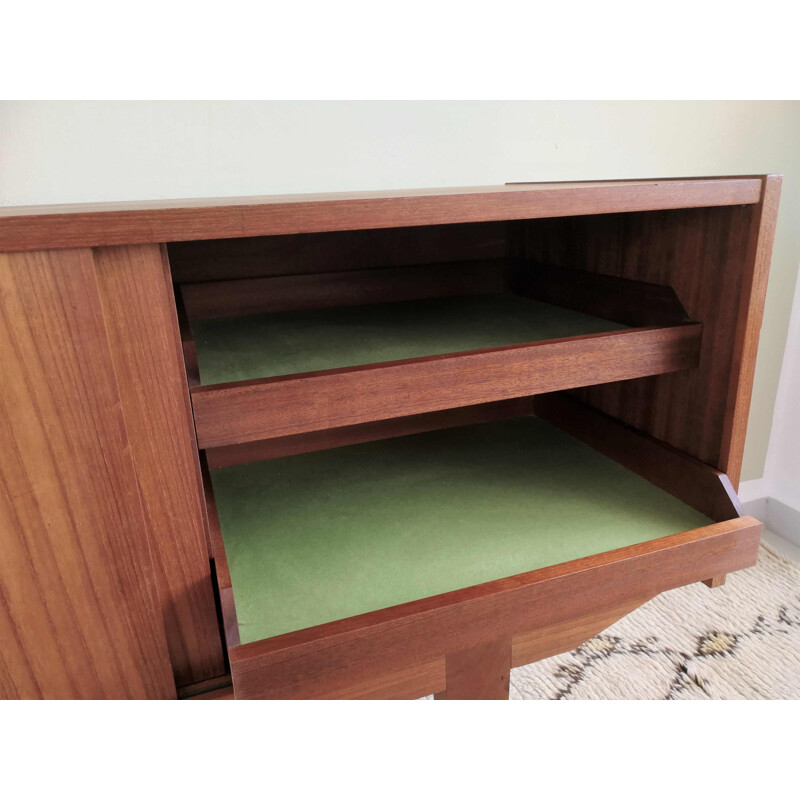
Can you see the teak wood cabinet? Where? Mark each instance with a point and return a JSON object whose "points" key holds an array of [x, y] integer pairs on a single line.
{"points": [[367, 445]]}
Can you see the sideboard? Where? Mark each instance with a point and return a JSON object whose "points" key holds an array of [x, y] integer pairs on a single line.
{"points": [[372, 445]]}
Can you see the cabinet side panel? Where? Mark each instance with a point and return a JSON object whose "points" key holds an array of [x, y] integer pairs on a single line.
{"points": [[139, 308], [704, 254], [77, 611], [748, 328]]}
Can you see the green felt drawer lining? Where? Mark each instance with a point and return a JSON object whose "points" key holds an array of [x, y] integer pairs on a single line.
{"points": [[291, 342], [323, 536]]}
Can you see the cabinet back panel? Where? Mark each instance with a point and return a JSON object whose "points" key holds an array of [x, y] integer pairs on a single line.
{"points": [[304, 253]]}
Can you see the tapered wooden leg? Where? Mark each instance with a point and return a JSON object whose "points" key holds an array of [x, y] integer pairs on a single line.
{"points": [[480, 673], [712, 583]]}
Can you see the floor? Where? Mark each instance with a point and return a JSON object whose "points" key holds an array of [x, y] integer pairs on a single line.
{"points": [[740, 641]]}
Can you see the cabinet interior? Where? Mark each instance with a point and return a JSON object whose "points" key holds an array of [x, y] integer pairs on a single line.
{"points": [[346, 519]]}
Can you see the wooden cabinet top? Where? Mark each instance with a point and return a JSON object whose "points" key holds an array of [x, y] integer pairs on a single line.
{"points": [[101, 224]]}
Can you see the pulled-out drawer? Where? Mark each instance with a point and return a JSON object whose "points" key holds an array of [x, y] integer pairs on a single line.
{"points": [[433, 563]]}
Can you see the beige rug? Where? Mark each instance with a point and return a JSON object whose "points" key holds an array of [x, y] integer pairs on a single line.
{"points": [[740, 641]]}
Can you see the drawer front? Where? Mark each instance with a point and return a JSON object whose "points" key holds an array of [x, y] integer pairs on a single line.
{"points": [[248, 411]]}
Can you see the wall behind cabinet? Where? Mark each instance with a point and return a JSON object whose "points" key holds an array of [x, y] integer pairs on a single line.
{"points": [[67, 152]]}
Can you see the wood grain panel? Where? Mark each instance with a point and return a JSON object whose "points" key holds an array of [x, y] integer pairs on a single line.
{"points": [[706, 256], [339, 251], [211, 299], [368, 432], [623, 300], [40, 227], [223, 693], [409, 683], [430, 678], [188, 347], [227, 606], [212, 689], [553, 640], [78, 617], [698, 485], [748, 328], [233, 413], [139, 312], [481, 672], [294, 664]]}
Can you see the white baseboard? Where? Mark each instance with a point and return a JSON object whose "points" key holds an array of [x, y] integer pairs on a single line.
{"points": [[780, 517], [756, 508], [784, 520]]}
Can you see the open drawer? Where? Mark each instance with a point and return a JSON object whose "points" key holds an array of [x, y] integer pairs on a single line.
{"points": [[432, 563], [285, 355]]}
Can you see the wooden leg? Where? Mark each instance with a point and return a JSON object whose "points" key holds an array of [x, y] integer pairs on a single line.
{"points": [[712, 583], [565, 636], [480, 673]]}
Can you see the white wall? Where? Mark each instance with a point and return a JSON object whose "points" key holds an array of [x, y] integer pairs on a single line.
{"points": [[775, 498], [782, 473], [65, 152]]}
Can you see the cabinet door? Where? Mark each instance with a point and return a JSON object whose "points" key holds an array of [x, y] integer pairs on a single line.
{"points": [[79, 615]]}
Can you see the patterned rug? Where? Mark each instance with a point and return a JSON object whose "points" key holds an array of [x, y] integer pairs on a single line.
{"points": [[740, 641]]}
